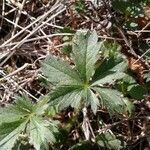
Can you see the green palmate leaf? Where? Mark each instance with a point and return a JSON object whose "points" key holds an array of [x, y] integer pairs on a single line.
{"points": [[9, 134], [113, 100], [41, 133], [59, 72], [14, 112], [76, 86], [41, 106], [59, 91], [73, 96], [24, 105], [18, 119], [92, 100], [66, 96], [109, 71], [109, 77], [84, 52]]}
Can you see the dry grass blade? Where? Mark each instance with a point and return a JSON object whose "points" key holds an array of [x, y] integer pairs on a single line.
{"points": [[40, 19]]}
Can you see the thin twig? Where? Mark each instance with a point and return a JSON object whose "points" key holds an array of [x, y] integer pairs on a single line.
{"points": [[39, 38], [141, 56], [41, 18], [86, 126], [38, 27], [18, 17], [126, 41], [15, 72], [143, 29]]}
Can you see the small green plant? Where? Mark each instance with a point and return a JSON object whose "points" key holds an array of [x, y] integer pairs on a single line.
{"points": [[131, 10], [80, 6], [108, 140], [25, 124], [88, 81]]}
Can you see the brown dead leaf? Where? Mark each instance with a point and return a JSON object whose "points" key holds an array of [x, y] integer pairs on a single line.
{"points": [[137, 67]]}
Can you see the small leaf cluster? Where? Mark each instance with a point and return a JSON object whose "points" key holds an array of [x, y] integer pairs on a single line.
{"points": [[133, 12], [86, 83], [23, 123]]}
